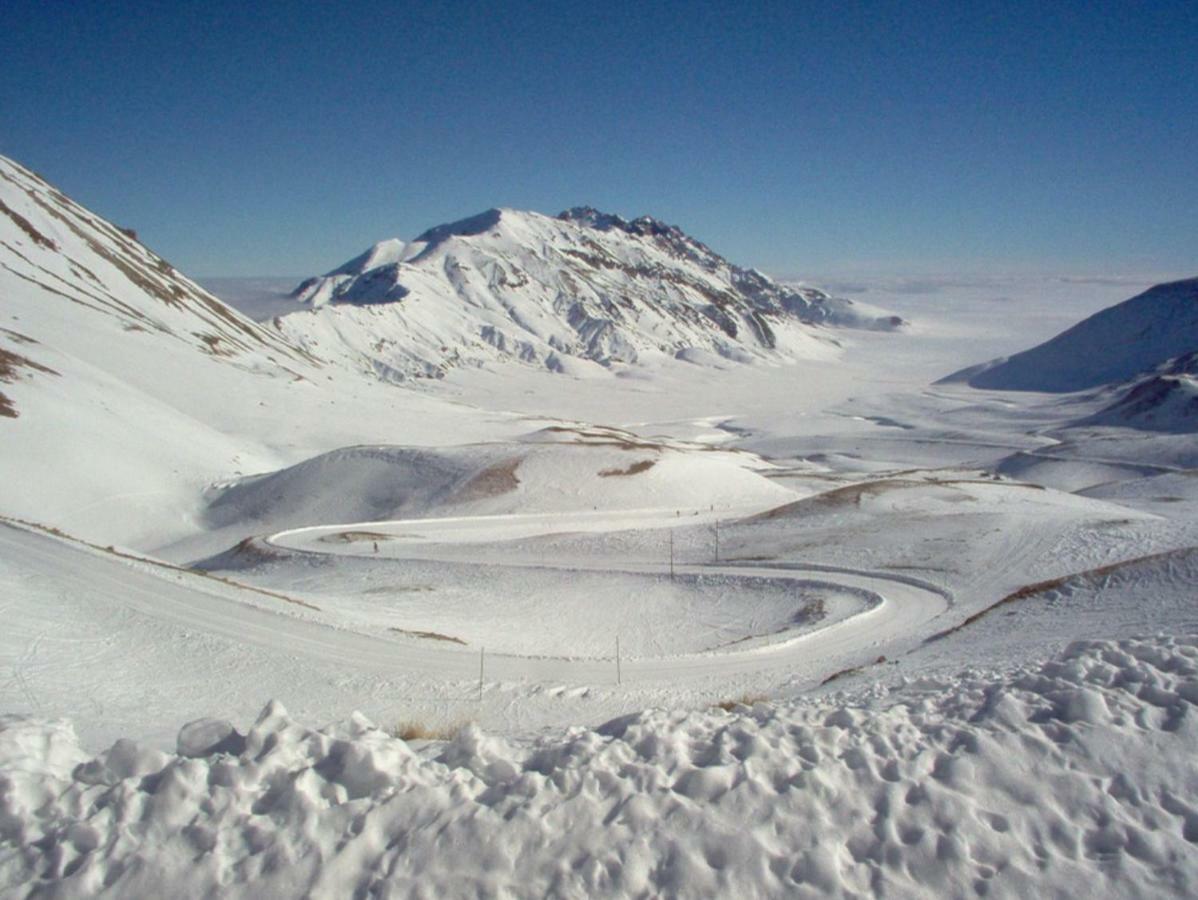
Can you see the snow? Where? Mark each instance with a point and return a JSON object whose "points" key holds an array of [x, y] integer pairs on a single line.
{"points": [[168, 389], [961, 620], [1076, 772]]}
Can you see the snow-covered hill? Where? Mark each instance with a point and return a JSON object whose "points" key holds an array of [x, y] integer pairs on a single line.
{"points": [[1155, 403], [584, 287], [375, 483], [1116, 344], [1166, 400]]}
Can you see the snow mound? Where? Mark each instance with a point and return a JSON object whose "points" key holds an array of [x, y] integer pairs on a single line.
{"points": [[354, 484], [559, 470], [511, 285], [1070, 775], [1116, 344]]}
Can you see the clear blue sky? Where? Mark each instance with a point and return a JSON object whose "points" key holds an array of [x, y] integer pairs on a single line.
{"points": [[259, 138]]}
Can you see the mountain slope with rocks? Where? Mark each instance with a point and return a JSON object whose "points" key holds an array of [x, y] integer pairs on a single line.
{"points": [[564, 293]]}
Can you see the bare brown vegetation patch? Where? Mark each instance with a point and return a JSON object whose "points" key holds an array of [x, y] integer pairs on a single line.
{"points": [[251, 550], [492, 481], [602, 436], [843, 673], [636, 468], [354, 537], [11, 363], [852, 670], [744, 700], [27, 227], [413, 730], [17, 337], [428, 635], [215, 344]]}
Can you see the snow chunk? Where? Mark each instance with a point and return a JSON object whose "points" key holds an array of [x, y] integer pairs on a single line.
{"points": [[206, 737]]}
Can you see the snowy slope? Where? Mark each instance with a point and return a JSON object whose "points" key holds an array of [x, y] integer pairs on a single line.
{"points": [[550, 291], [1156, 403], [65, 254], [111, 361], [1165, 401], [1115, 344], [125, 387]]}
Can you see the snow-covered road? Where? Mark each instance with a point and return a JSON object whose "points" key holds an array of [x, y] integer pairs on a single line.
{"points": [[894, 607], [196, 605]]}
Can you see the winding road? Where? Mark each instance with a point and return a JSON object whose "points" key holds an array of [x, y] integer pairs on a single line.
{"points": [[896, 608], [900, 608]]}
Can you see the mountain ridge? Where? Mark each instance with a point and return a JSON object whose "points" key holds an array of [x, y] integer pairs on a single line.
{"points": [[1116, 344], [563, 292]]}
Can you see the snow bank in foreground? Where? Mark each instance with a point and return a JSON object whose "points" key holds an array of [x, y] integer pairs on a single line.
{"points": [[1078, 773]]}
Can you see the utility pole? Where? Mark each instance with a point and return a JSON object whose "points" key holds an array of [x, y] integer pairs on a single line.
{"points": [[717, 540], [619, 678], [482, 658], [671, 554]]}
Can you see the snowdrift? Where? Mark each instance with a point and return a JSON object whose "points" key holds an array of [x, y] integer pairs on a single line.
{"points": [[1064, 776]]}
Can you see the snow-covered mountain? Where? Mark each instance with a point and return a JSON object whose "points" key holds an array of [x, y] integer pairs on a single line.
{"points": [[560, 292], [1116, 344]]}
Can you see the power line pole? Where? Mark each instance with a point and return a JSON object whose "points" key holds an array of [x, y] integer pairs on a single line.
{"points": [[482, 658], [671, 554], [717, 540]]}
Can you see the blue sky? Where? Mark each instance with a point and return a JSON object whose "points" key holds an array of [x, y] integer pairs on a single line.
{"points": [[798, 137]]}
